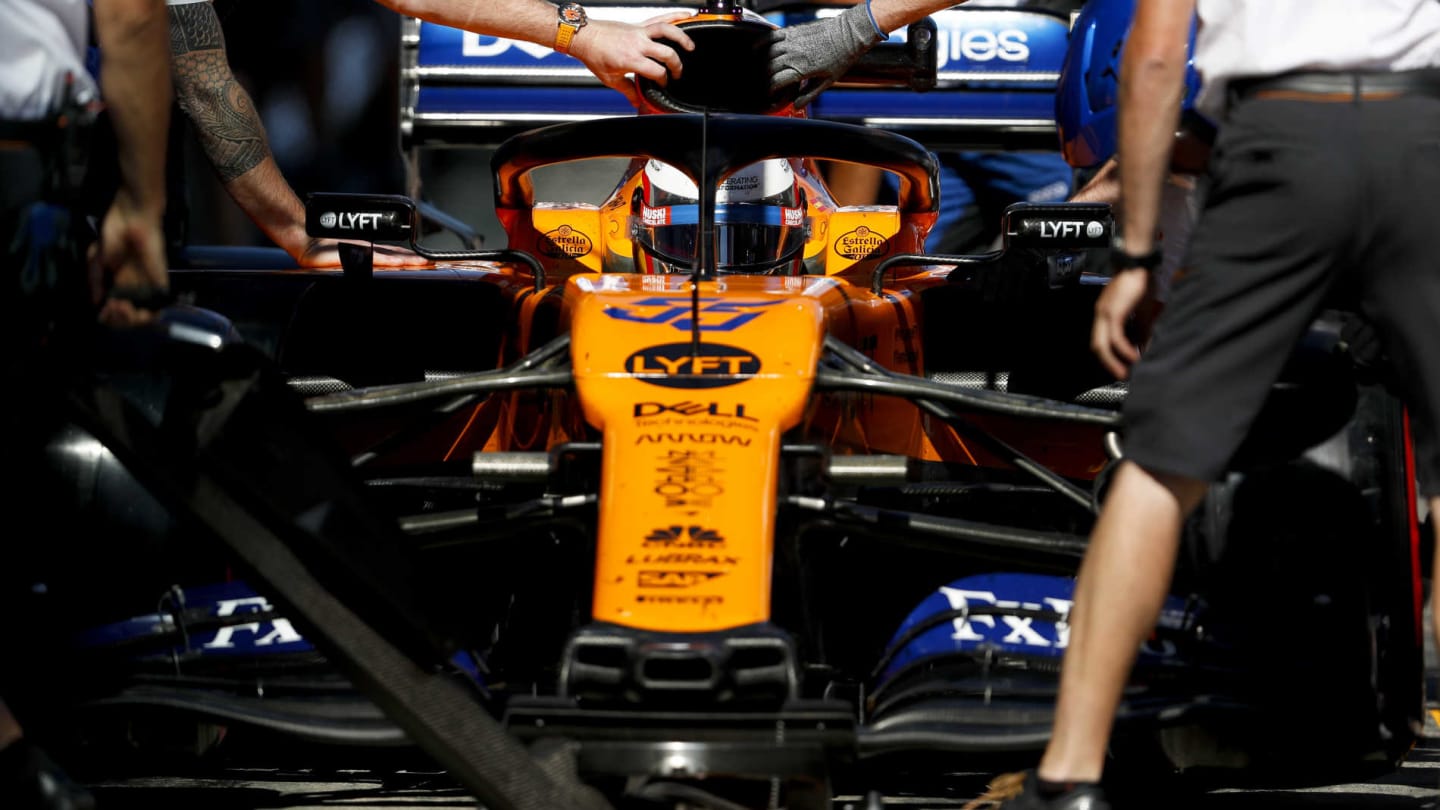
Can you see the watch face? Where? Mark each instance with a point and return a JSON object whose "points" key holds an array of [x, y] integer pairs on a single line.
{"points": [[573, 13]]}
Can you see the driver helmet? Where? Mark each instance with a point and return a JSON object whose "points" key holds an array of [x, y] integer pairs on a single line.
{"points": [[1089, 86], [760, 222]]}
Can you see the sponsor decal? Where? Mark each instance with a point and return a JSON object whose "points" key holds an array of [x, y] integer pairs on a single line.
{"points": [[565, 243], [355, 220], [654, 217], [688, 479], [1060, 230], [682, 558], [1053, 229], [684, 537], [715, 314], [793, 217], [1012, 629], [275, 631], [861, 243], [675, 579], [692, 438], [474, 45], [667, 599], [983, 45], [675, 365], [741, 182], [1021, 630], [643, 409]]}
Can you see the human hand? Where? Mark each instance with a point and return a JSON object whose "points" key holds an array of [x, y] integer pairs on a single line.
{"points": [[614, 50], [820, 52], [319, 253], [1120, 299], [127, 263]]}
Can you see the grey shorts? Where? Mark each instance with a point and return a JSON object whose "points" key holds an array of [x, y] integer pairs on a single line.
{"points": [[1302, 196]]}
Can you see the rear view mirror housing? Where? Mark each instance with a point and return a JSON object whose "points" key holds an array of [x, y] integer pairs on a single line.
{"points": [[361, 217], [1058, 226]]}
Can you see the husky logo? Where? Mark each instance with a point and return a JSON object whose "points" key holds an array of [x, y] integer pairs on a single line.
{"points": [[565, 243], [861, 243], [679, 365], [675, 579]]}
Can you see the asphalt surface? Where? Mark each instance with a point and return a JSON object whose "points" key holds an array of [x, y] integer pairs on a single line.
{"points": [[1413, 787]]}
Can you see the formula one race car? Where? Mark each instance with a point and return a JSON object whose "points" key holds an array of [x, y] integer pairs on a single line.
{"points": [[715, 493]]}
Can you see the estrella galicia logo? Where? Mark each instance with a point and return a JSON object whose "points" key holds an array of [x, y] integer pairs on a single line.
{"points": [[861, 243], [565, 243], [716, 314], [678, 365]]}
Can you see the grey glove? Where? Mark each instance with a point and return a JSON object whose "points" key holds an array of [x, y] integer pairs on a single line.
{"points": [[820, 52]]}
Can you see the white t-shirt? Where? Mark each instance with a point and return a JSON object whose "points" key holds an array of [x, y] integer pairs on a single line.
{"points": [[1237, 39], [42, 42]]}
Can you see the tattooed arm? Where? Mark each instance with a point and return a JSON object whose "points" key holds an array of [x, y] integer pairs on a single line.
{"points": [[233, 138]]}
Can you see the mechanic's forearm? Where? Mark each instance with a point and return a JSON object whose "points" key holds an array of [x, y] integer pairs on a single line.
{"points": [[1104, 187], [229, 128], [1152, 85], [893, 14], [530, 20], [135, 83]]}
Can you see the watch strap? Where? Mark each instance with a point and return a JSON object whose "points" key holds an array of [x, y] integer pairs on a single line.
{"points": [[571, 19]]}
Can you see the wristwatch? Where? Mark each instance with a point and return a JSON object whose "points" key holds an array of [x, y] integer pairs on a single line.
{"points": [[572, 19], [1122, 259]]}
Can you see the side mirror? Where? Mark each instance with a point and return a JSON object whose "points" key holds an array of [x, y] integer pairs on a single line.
{"points": [[1058, 226], [363, 217]]}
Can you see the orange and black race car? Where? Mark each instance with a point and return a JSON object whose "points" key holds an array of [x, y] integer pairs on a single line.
{"points": [[721, 492]]}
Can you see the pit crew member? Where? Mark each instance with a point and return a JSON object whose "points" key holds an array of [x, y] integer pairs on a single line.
{"points": [[46, 98], [1356, 94], [614, 51], [234, 140]]}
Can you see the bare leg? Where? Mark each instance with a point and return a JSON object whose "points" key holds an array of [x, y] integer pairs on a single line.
{"points": [[1118, 595], [9, 727]]}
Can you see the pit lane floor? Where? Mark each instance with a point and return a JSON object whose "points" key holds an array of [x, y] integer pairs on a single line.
{"points": [[1415, 786]]}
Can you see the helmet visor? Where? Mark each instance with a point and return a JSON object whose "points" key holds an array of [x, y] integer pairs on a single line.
{"points": [[751, 238]]}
